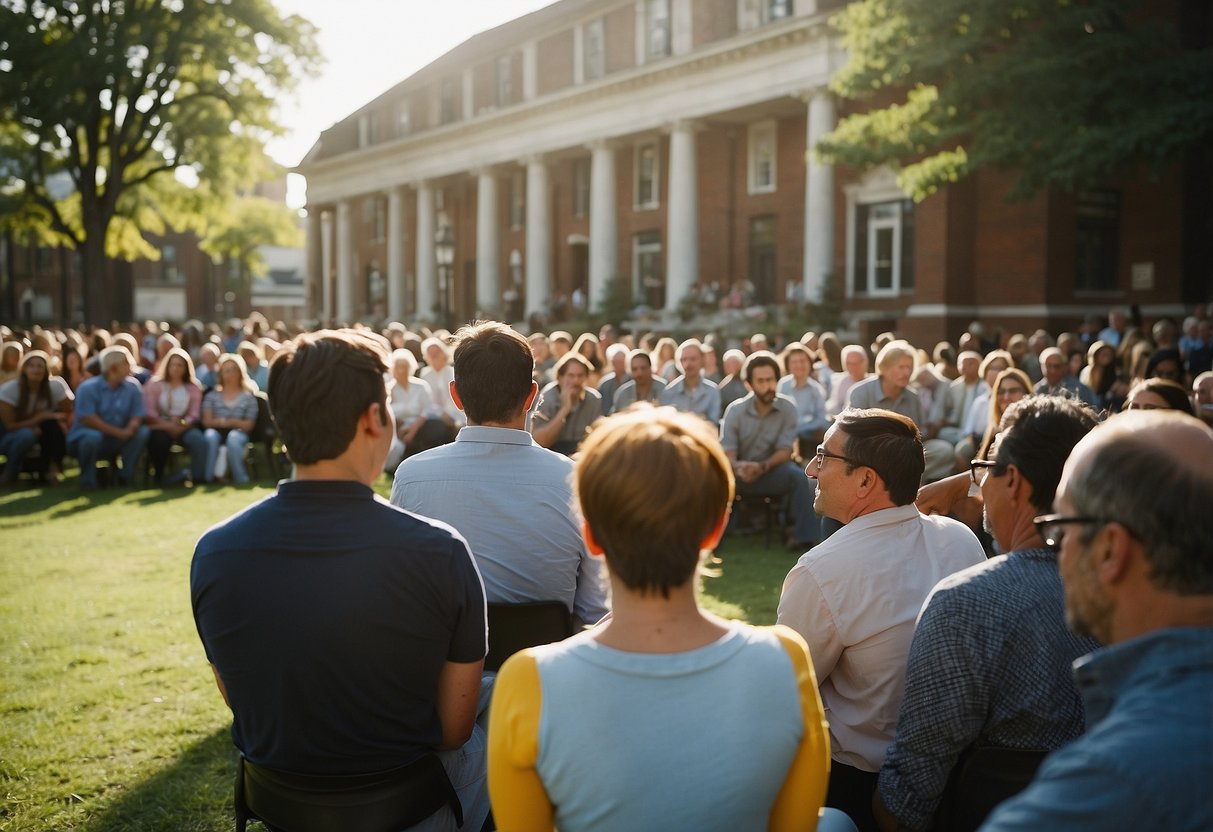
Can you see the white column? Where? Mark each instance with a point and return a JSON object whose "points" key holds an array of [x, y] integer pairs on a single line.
{"points": [[488, 245], [681, 23], [326, 266], [395, 253], [818, 201], [314, 270], [345, 264], [538, 236], [682, 250], [469, 101], [427, 271], [604, 237], [579, 54], [530, 70], [642, 34]]}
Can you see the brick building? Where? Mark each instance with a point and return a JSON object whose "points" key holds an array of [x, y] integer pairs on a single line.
{"points": [[663, 143]]}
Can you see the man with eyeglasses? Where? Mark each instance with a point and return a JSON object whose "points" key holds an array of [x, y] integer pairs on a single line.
{"points": [[758, 434], [989, 666], [1134, 533], [854, 598]]}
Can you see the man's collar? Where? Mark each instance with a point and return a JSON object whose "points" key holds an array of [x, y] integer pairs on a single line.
{"points": [[497, 436]]}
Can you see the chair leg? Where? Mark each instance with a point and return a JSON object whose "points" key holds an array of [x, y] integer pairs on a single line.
{"points": [[241, 808]]}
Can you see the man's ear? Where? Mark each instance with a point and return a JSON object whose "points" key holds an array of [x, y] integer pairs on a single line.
{"points": [[455, 395], [1018, 486], [590, 543], [530, 400], [373, 419], [1115, 552]]}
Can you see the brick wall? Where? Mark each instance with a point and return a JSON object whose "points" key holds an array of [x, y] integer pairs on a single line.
{"points": [[555, 62]]}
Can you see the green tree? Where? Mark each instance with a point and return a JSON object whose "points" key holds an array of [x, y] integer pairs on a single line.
{"points": [[235, 236], [109, 106], [1064, 92]]}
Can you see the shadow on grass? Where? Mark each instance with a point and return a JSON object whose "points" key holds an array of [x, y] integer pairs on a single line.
{"points": [[193, 793], [50, 503]]}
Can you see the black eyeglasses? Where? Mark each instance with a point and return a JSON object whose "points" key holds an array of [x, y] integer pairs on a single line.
{"points": [[822, 455], [1050, 527], [984, 465]]}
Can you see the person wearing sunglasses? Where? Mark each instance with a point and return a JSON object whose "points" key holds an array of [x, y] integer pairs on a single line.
{"points": [[855, 597], [990, 662], [1133, 528]]}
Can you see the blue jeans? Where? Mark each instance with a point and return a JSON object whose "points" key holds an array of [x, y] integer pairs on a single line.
{"points": [[15, 445], [236, 443], [87, 444], [789, 479]]}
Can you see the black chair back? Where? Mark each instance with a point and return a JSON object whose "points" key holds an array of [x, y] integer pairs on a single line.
{"points": [[983, 777], [514, 627], [384, 801]]}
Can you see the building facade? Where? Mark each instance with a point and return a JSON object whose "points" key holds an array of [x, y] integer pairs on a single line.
{"points": [[664, 144]]}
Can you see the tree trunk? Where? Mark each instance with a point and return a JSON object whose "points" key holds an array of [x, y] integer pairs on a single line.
{"points": [[94, 275]]}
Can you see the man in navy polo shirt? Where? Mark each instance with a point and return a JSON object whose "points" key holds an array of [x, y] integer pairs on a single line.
{"points": [[347, 636]]}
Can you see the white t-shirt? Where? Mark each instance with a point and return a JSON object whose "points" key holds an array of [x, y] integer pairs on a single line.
{"points": [[10, 393]]}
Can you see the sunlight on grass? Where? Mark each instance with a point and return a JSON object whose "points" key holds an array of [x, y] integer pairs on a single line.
{"points": [[109, 717]]}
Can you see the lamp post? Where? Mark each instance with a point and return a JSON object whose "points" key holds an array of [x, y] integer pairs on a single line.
{"points": [[444, 254]]}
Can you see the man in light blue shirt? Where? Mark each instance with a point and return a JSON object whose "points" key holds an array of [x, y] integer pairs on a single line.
{"points": [[109, 419], [691, 392], [510, 498]]}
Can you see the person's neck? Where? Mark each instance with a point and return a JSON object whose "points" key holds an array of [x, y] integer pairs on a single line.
{"points": [[869, 506], [690, 381], [642, 389], [517, 423], [652, 623], [1023, 533], [890, 390], [344, 468], [762, 407]]}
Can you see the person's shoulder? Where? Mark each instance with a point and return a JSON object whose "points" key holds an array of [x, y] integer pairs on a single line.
{"points": [[590, 392], [10, 390], [239, 531], [785, 404], [709, 384]]}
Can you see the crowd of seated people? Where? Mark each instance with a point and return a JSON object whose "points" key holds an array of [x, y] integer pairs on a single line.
{"points": [[946, 391]]}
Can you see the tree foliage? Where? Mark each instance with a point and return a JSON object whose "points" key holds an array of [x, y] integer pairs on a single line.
{"points": [[108, 106], [1063, 92]]}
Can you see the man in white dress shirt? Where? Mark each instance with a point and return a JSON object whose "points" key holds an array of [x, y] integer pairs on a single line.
{"points": [[855, 597]]}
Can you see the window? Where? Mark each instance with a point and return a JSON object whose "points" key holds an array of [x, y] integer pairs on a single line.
{"points": [[581, 188], [646, 176], [403, 118], [1097, 241], [505, 81], [594, 55], [762, 157], [657, 25], [446, 101], [168, 265], [762, 259], [367, 126], [649, 282], [517, 199], [883, 252], [773, 10]]}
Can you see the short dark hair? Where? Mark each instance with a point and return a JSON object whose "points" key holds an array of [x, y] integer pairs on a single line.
{"points": [[762, 358], [889, 444], [1162, 498], [493, 367], [1036, 435], [320, 384]]}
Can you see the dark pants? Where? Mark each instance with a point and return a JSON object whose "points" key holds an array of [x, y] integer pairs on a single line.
{"points": [[851, 791], [789, 479], [53, 441]]}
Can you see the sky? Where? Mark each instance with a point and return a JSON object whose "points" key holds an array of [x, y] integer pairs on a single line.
{"points": [[369, 47]]}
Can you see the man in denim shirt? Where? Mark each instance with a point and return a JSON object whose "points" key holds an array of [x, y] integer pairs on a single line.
{"points": [[1134, 531]]}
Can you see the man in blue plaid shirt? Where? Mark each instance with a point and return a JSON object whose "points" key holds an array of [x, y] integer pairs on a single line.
{"points": [[990, 661]]}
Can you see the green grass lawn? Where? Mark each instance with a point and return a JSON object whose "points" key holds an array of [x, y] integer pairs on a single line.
{"points": [[109, 717]]}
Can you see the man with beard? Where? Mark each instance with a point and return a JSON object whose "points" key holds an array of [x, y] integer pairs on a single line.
{"points": [[1133, 531], [856, 596], [567, 407], [990, 662], [758, 434]]}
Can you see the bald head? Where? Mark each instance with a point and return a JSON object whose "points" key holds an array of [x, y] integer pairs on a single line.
{"points": [[1150, 472]]}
